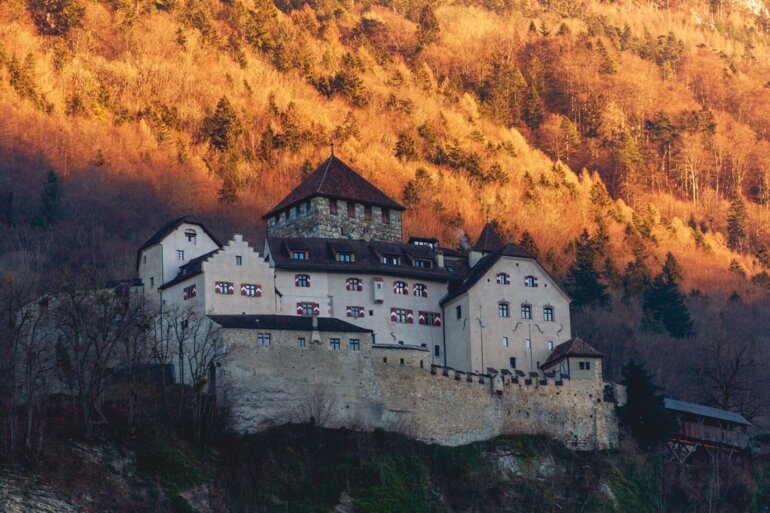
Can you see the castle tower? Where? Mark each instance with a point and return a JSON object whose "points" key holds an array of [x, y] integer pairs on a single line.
{"points": [[335, 202]]}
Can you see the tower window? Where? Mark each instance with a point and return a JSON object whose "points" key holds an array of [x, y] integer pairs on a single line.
{"points": [[333, 207], [367, 213], [238, 260], [459, 311], [385, 216], [351, 209]]}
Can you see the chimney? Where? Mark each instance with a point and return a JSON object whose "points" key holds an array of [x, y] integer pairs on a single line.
{"points": [[315, 336], [440, 259]]}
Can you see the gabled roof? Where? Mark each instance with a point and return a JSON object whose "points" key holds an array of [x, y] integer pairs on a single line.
{"points": [[192, 268], [169, 227], [482, 267], [575, 347], [335, 179], [489, 240], [368, 258], [285, 322], [705, 411]]}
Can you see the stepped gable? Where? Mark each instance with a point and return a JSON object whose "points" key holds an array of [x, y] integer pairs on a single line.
{"points": [[335, 179], [575, 347], [367, 257], [285, 322], [169, 227], [489, 240], [482, 266]]}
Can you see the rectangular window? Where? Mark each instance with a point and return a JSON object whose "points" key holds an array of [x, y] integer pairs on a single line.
{"points": [[530, 281], [385, 216], [548, 313], [251, 290], [512, 361], [307, 207], [179, 254], [144, 259], [333, 207], [189, 292], [459, 311], [503, 310], [584, 365], [152, 282], [334, 343], [298, 255], [400, 288], [391, 259], [503, 279], [420, 290], [401, 315], [368, 213], [238, 260], [355, 344], [344, 256], [351, 209], [504, 341], [550, 345], [298, 210], [423, 263], [526, 311], [354, 284], [301, 341], [355, 311], [223, 287], [302, 280], [263, 339], [308, 309], [528, 344], [437, 350], [191, 235], [429, 318]]}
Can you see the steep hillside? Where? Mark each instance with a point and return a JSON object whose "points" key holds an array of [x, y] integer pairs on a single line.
{"points": [[646, 124]]}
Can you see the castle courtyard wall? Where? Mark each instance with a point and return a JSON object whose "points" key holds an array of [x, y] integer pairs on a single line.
{"points": [[282, 383]]}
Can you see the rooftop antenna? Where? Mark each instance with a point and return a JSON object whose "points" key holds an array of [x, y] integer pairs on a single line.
{"points": [[332, 145]]}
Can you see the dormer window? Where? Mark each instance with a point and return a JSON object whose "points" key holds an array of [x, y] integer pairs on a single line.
{"points": [[423, 263], [503, 279], [530, 281], [299, 254], [346, 256], [351, 209], [391, 259], [191, 235]]}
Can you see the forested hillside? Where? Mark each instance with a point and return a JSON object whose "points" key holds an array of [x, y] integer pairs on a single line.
{"points": [[601, 135]]}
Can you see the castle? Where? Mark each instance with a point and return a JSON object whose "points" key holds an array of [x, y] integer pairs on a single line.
{"points": [[338, 318]]}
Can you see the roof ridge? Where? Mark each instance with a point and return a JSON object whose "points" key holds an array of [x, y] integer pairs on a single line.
{"points": [[323, 178]]}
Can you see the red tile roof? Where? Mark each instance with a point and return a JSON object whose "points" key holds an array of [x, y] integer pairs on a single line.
{"points": [[335, 179]]}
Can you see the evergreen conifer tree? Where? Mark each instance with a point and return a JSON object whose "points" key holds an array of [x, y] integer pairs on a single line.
{"points": [[223, 127], [406, 149], [533, 108], [583, 281], [428, 28], [50, 198], [664, 302], [736, 223], [527, 242], [644, 413]]}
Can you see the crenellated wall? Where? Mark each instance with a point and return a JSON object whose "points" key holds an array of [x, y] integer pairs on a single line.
{"points": [[273, 385]]}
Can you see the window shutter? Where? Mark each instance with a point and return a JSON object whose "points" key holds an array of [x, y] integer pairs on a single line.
{"points": [[406, 289], [393, 315], [296, 280], [395, 287], [421, 318], [194, 290], [259, 290], [299, 309], [361, 311], [308, 280], [230, 289], [359, 285], [349, 311], [316, 309], [244, 290], [409, 317], [535, 281], [437, 319]]}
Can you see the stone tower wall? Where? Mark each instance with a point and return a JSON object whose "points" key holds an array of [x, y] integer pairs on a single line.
{"points": [[320, 222]]}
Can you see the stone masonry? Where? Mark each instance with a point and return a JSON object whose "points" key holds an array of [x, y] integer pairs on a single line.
{"points": [[283, 382], [320, 222]]}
